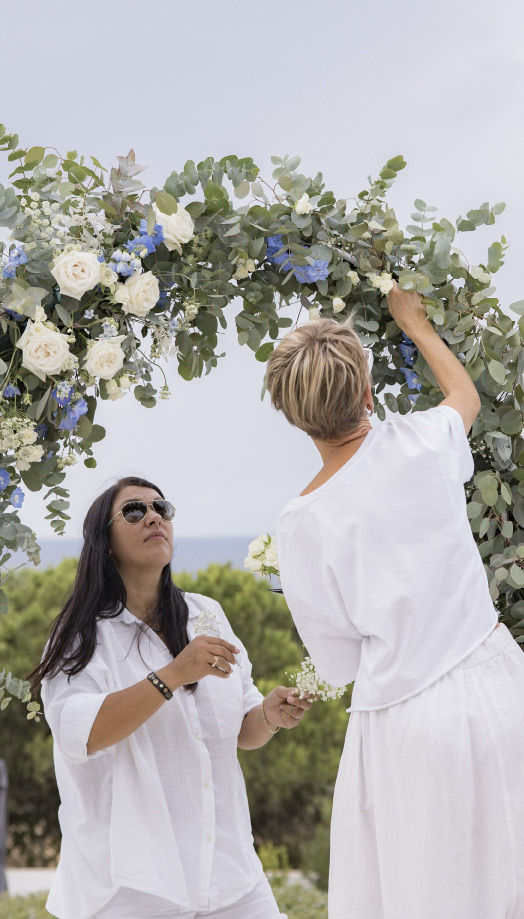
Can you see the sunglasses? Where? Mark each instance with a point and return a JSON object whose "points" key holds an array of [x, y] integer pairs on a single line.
{"points": [[136, 511]]}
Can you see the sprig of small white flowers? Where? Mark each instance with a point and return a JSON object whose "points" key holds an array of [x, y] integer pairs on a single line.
{"points": [[207, 624], [308, 680], [262, 559]]}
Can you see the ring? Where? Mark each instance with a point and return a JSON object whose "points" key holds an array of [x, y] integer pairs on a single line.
{"points": [[286, 714], [215, 662]]}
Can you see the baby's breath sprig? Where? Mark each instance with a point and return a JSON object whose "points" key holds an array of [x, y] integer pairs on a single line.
{"points": [[308, 680]]}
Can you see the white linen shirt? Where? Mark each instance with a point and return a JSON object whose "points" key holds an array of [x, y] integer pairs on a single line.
{"points": [[164, 811], [379, 566]]}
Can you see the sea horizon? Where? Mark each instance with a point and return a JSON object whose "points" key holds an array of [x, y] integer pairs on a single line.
{"points": [[191, 553]]}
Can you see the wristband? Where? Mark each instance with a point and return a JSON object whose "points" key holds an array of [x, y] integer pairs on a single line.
{"points": [[156, 681]]}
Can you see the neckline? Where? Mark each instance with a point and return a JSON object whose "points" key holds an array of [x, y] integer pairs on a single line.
{"points": [[350, 463]]}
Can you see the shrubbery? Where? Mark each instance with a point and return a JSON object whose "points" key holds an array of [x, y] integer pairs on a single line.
{"points": [[289, 782]]}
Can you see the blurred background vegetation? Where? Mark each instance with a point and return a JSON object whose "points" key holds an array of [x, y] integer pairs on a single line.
{"points": [[289, 782]]}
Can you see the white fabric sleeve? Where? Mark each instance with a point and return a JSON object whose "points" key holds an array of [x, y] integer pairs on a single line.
{"points": [[71, 707], [251, 694], [312, 594], [442, 429]]}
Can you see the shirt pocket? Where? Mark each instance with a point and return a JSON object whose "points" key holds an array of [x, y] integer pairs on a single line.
{"points": [[227, 698]]}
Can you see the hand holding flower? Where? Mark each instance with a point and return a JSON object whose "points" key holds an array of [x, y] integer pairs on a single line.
{"points": [[283, 707]]}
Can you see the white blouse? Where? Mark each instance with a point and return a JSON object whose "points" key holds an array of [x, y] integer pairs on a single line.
{"points": [[379, 566], [164, 811]]}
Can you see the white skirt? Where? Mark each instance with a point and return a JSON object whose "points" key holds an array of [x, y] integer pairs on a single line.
{"points": [[428, 812]]}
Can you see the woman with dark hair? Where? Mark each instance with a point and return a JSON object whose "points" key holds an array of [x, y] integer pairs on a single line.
{"points": [[146, 716], [388, 590]]}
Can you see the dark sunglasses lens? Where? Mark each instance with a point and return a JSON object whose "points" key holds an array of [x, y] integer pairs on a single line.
{"points": [[135, 511], [165, 509]]}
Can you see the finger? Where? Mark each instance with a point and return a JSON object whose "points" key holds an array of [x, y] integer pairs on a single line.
{"points": [[220, 663], [291, 712], [223, 644]]}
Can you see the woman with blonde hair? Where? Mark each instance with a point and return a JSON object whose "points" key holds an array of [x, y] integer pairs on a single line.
{"points": [[387, 589]]}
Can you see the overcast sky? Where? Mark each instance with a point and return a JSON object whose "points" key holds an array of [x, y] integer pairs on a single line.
{"points": [[344, 85]]}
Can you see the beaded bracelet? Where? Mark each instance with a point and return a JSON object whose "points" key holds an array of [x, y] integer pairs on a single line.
{"points": [[266, 722], [156, 681]]}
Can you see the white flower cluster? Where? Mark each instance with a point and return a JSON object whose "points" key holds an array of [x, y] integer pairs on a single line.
{"points": [[50, 224], [191, 310], [262, 559], [207, 624], [308, 680], [244, 268], [19, 435], [383, 282], [117, 389]]}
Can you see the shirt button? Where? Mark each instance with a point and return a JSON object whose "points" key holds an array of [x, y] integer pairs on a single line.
{"points": [[198, 736], [209, 839], [207, 785]]}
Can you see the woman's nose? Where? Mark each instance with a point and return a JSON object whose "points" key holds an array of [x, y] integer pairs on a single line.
{"points": [[152, 516]]}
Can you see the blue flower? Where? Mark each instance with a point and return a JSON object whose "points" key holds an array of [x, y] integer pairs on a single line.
{"points": [[411, 378], [62, 394], [17, 497], [9, 270], [72, 414], [41, 430], [10, 391], [18, 257], [308, 274], [158, 232], [19, 317], [124, 269], [408, 352], [141, 242], [5, 479]]}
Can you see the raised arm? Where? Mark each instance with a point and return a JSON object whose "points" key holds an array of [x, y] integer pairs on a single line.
{"points": [[453, 379]]}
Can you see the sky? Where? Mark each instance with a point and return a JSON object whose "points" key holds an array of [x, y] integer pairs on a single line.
{"points": [[346, 86]]}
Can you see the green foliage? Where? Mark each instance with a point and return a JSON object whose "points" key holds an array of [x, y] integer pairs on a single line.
{"points": [[295, 900], [293, 775], [331, 249]]}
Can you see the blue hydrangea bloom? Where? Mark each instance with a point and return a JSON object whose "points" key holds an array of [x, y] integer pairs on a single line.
{"points": [[10, 391], [17, 497], [141, 242], [18, 257], [411, 378], [72, 414], [308, 274], [63, 395], [5, 479], [124, 269], [9, 271]]}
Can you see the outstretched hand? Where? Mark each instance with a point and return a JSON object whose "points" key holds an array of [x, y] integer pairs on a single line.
{"points": [[284, 709]]}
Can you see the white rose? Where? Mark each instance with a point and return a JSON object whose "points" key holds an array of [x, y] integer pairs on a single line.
{"points": [[105, 357], [353, 277], [253, 564], [178, 228], [375, 280], [303, 206], [28, 455], [114, 391], [386, 285], [75, 272], [271, 558], [44, 352], [241, 273], [314, 313], [139, 294], [257, 546], [124, 382], [28, 436], [338, 304]]}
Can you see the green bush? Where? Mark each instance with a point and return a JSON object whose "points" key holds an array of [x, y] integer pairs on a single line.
{"points": [[293, 899], [288, 782]]}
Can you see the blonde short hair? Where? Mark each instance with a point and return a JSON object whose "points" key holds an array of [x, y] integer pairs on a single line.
{"points": [[317, 376]]}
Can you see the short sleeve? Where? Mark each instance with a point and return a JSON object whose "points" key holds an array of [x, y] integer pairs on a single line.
{"points": [[312, 594], [71, 707], [251, 695], [442, 430]]}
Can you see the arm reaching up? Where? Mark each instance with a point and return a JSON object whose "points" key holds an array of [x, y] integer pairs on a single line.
{"points": [[457, 387]]}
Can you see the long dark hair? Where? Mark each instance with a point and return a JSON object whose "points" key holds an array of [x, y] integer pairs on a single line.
{"points": [[99, 593]]}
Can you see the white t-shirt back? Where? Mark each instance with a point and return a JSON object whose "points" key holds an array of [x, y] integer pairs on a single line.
{"points": [[379, 566]]}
